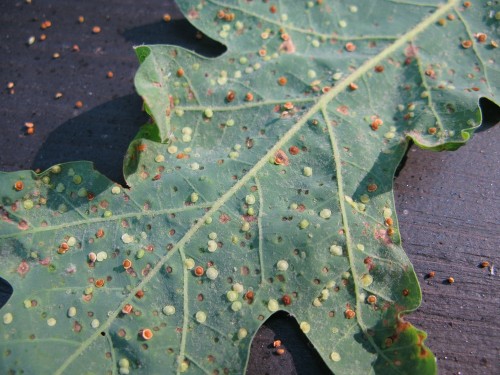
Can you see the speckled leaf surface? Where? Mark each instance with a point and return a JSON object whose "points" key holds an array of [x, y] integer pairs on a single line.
{"points": [[263, 183]]}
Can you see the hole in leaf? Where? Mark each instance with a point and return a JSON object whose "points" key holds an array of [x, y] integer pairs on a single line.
{"points": [[300, 357], [5, 292]]}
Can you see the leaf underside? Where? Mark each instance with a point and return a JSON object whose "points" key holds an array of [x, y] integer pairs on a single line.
{"points": [[271, 168]]}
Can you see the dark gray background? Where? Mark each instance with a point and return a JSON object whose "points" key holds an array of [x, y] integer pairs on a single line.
{"points": [[447, 204]]}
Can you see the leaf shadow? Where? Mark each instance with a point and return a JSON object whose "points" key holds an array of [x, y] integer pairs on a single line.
{"points": [[100, 135], [176, 32]]}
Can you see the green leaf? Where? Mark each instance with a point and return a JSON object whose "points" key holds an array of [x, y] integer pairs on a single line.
{"points": [[284, 200]]}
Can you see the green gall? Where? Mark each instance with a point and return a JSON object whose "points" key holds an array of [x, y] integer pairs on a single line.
{"points": [[325, 293], [60, 187], [159, 158], [336, 76], [245, 227], [140, 254], [242, 333], [342, 23], [360, 247], [123, 362], [8, 318], [71, 241], [51, 322], [115, 190], [230, 122], [236, 306], [208, 220], [124, 370], [71, 312], [282, 265], [201, 317], [364, 198], [307, 171], [334, 356], [250, 199], [208, 113], [189, 263], [325, 213], [346, 275], [317, 302], [366, 280], [82, 192], [336, 250], [27, 303], [212, 235], [95, 323], [28, 204], [303, 224], [305, 327], [251, 211], [232, 296], [194, 197], [212, 246], [56, 169], [77, 179], [107, 213], [168, 310], [88, 290], [212, 273], [238, 288], [183, 367], [101, 255], [273, 305], [127, 238]]}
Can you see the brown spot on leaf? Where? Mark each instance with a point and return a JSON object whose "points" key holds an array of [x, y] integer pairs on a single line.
{"points": [[343, 109]]}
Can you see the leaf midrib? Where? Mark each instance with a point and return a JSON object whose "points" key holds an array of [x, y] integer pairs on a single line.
{"points": [[330, 95]]}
